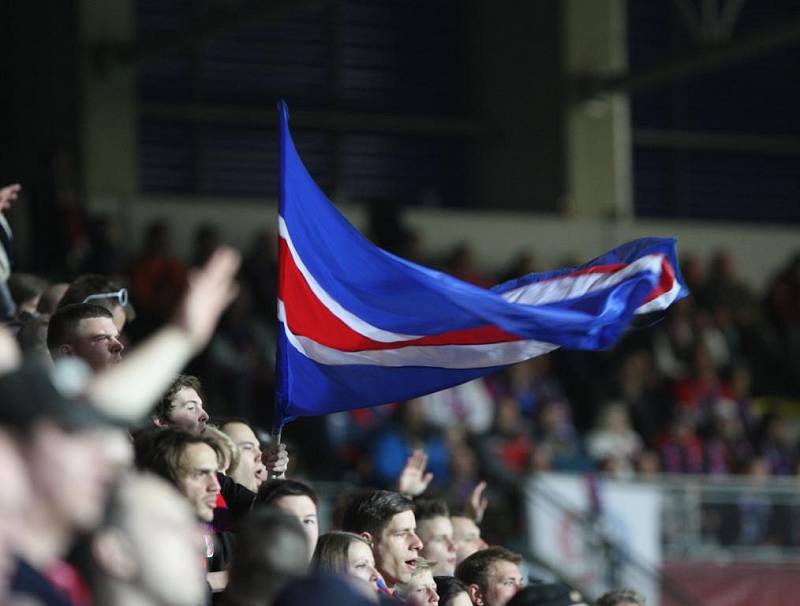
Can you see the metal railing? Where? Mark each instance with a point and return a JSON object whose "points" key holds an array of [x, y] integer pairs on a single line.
{"points": [[730, 519]]}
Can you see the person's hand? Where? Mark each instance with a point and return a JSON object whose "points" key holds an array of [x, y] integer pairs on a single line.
{"points": [[276, 460], [8, 194], [413, 480], [211, 290], [477, 503]]}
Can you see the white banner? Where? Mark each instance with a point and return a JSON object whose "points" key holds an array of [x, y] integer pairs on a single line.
{"points": [[629, 514]]}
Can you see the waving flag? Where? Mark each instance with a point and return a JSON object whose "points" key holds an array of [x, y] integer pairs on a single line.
{"points": [[360, 326]]}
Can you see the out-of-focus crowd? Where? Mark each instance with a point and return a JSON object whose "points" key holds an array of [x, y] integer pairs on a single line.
{"points": [[689, 392]]}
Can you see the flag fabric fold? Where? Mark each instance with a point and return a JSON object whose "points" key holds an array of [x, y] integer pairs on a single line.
{"points": [[359, 326]]}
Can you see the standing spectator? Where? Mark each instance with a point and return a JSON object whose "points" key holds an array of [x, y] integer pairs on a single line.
{"points": [[775, 446], [191, 461], [614, 438], [682, 450], [271, 551], [420, 589], [295, 499], [145, 553], [452, 592], [466, 537], [397, 442], [102, 291], [158, 279], [87, 332], [556, 432], [340, 552], [468, 405], [182, 406], [386, 519], [435, 530], [250, 471], [492, 576], [61, 441]]}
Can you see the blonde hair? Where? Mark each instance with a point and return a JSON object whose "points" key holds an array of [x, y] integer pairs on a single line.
{"points": [[423, 566], [229, 449]]}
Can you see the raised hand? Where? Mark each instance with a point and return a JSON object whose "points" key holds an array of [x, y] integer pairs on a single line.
{"points": [[211, 290], [413, 480], [8, 194], [477, 503]]}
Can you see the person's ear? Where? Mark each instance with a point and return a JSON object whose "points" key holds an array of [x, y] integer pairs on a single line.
{"points": [[475, 594], [368, 538], [114, 554], [158, 421], [65, 350]]}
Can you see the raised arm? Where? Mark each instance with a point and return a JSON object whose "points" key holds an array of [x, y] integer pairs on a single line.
{"points": [[129, 389]]}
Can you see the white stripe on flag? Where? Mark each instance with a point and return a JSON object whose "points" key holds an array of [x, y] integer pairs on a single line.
{"points": [[570, 287], [351, 320], [537, 293], [433, 356]]}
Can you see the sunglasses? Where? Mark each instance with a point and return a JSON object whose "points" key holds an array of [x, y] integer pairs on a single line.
{"points": [[121, 296]]}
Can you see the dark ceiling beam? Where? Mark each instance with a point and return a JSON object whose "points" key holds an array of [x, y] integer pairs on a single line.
{"points": [[743, 48], [327, 120], [202, 29], [716, 141]]}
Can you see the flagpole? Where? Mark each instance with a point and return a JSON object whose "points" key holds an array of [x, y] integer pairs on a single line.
{"points": [[279, 406], [276, 442]]}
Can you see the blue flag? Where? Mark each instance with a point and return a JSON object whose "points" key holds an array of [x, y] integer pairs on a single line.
{"points": [[360, 326]]}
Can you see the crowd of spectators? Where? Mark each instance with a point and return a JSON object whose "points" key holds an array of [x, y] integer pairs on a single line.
{"points": [[91, 388]]}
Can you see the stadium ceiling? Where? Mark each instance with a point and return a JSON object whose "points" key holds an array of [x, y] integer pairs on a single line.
{"points": [[710, 24]]}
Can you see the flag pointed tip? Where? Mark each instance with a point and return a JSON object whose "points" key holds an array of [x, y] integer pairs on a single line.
{"points": [[283, 111]]}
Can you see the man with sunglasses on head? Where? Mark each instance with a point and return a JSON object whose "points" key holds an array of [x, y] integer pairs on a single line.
{"points": [[103, 291], [85, 331]]}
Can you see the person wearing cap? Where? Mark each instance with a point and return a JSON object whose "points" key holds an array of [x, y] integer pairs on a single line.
{"points": [[492, 576], [61, 439], [549, 594], [85, 331]]}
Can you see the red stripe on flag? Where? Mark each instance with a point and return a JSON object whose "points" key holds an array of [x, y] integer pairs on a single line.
{"points": [[608, 268], [665, 282], [307, 316]]}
